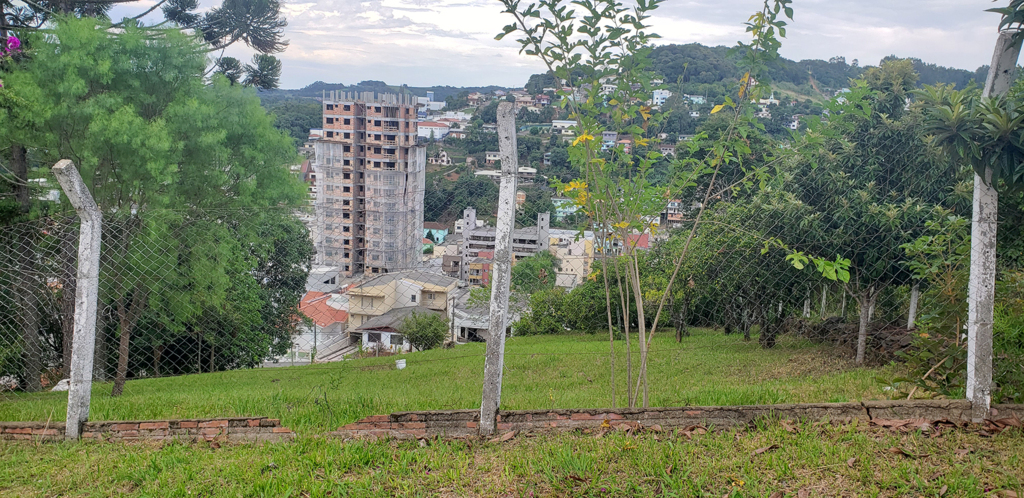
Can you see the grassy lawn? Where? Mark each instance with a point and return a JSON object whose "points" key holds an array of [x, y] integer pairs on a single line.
{"points": [[816, 461], [708, 368]]}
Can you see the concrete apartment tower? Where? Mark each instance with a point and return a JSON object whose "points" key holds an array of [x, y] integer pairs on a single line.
{"points": [[370, 178]]}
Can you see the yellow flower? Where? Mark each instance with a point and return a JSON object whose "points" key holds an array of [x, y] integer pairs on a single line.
{"points": [[925, 335], [642, 142], [576, 185], [645, 112], [582, 138], [621, 224]]}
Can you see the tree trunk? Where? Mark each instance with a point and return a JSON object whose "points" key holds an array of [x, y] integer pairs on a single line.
{"points": [[915, 294], [121, 375], [128, 316], [842, 310], [807, 306], [745, 323], [100, 356], [27, 296], [770, 328], [866, 302], [158, 352], [824, 298]]}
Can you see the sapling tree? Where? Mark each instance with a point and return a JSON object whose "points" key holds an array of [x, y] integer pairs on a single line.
{"points": [[600, 56]]}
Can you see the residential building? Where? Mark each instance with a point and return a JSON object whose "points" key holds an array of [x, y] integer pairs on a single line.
{"points": [[695, 99], [673, 213], [432, 130], [694, 114], [370, 207], [460, 225], [440, 158], [378, 306], [667, 149], [563, 126], [564, 207], [575, 256], [477, 99], [478, 271], [436, 230], [542, 100], [658, 97], [491, 157], [525, 241]]}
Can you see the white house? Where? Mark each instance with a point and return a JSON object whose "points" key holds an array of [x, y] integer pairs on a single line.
{"points": [[562, 126], [432, 129], [658, 97]]}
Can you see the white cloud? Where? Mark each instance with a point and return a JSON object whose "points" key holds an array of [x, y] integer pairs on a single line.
{"points": [[451, 42]]}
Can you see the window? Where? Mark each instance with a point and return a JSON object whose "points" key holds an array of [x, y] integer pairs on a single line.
{"points": [[346, 229], [330, 134], [373, 337], [346, 189], [367, 302], [345, 148], [348, 121], [412, 298], [431, 296], [397, 340], [346, 176], [330, 107], [347, 108], [346, 256], [375, 257], [348, 135], [330, 120]]}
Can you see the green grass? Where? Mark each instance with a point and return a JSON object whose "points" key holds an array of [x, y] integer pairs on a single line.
{"points": [[708, 368], [816, 460]]}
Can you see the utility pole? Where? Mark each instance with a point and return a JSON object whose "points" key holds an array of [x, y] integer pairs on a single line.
{"points": [[494, 360], [86, 295], [982, 286]]}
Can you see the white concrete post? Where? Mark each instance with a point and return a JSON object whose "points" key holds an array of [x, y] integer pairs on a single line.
{"points": [[501, 277], [86, 295], [915, 296], [982, 286]]}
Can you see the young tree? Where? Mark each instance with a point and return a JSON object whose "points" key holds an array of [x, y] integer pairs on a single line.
{"points": [[424, 330]]}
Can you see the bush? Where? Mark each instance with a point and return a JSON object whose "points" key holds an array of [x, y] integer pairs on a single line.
{"points": [[425, 330]]}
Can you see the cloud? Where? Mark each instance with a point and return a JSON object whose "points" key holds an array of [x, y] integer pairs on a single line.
{"points": [[451, 42]]}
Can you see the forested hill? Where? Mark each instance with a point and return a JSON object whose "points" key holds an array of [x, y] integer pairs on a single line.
{"points": [[709, 71], [318, 88]]}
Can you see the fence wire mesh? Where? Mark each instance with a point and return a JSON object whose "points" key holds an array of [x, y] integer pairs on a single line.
{"points": [[395, 254]]}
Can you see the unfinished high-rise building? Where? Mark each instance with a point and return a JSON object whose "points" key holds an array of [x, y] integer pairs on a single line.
{"points": [[370, 179]]}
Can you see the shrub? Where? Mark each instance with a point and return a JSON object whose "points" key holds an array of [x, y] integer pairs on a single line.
{"points": [[425, 330]]}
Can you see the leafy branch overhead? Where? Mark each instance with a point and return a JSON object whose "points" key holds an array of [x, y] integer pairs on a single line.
{"points": [[256, 23]]}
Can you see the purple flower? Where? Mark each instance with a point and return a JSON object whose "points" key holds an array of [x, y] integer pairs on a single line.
{"points": [[12, 44]]}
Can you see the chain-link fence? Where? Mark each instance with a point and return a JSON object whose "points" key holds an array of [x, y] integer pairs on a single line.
{"points": [[396, 253]]}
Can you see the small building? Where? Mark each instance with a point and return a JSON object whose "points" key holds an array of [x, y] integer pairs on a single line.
{"points": [[432, 130], [435, 230], [440, 158], [563, 126], [658, 97], [492, 157], [384, 332], [667, 149]]}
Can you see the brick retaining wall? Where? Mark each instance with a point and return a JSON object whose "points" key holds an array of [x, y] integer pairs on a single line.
{"points": [[236, 429], [465, 423]]}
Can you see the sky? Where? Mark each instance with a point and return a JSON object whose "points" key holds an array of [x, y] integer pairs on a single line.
{"points": [[451, 42]]}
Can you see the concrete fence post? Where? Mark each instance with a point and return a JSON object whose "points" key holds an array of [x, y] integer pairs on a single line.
{"points": [[86, 295], [501, 277], [982, 284]]}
